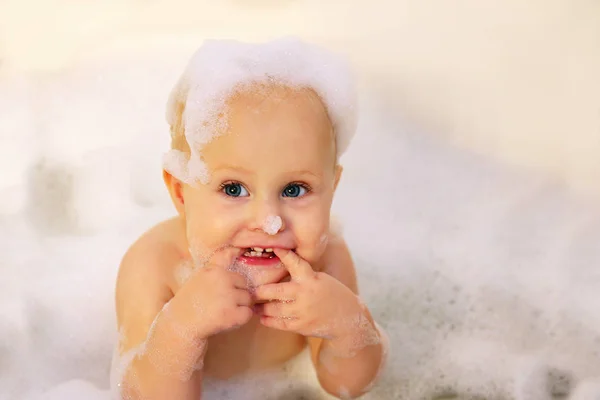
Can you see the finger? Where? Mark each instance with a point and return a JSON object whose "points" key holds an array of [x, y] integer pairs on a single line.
{"points": [[283, 324], [276, 309], [238, 280], [225, 256], [243, 315], [276, 291], [243, 298], [297, 267], [269, 275]]}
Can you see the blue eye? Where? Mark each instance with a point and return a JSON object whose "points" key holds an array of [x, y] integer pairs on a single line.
{"points": [[294, 190], [234, 190]]}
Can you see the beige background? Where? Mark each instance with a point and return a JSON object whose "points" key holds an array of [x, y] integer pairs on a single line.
{"points": [[517, 79], [485, 277]]}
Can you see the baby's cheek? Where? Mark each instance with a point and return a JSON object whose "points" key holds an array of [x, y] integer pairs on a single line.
{"points": [[312, 235], [209, 231], [199, 250]]}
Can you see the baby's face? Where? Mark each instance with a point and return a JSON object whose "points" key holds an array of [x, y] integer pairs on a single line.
{"points": [[276, 163]]}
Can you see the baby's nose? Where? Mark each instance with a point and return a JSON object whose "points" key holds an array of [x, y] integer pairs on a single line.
{"points": [[272, 224], [267, 218]]}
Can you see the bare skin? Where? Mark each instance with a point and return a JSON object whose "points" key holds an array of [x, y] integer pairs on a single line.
{"points": [[218, 325]]}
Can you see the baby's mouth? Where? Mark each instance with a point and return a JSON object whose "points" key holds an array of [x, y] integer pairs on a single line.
{"points": [[259, 252]]}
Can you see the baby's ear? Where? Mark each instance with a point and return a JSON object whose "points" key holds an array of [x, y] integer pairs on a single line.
{"points": [[338, 175], [175, 188]]}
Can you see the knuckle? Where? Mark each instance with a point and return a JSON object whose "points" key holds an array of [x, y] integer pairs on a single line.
{"points": [[267, 308], [263, 291], [275, 307], [243, 314], [246, 297]]}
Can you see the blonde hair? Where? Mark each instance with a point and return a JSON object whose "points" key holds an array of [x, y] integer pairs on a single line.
{"points": [[177, 129], [179, 140], [218, 69]]}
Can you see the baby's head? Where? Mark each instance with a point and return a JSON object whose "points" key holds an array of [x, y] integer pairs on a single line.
{"points": [[257, 132]]}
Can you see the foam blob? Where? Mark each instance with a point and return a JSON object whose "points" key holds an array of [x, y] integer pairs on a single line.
{"points": [[18, 145], [82, 194], [74, 389], [272, 224], [165, 361], [15, 332], [587, 390], [119, 364], [486, 369], [183, 272], [221, 67], [102, 192]]}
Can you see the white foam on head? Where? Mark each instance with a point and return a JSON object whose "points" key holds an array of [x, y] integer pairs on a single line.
{"points": [[272, 224], [219, 68]]}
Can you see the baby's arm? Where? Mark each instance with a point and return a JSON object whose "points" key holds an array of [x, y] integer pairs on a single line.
{"points": [[348, 366], [161, 366]]}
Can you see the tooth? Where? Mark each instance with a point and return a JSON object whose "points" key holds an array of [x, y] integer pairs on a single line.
{"points": [[269, 250], [247, 254], [259, 249]]}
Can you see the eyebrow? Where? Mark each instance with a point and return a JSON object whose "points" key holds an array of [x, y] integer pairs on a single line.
{"points": [[248, 172], [233, 168]]}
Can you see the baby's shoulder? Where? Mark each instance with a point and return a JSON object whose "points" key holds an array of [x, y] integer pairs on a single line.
{"points": [[155, 248], [337, 260], [148, 262], [142, 286]]}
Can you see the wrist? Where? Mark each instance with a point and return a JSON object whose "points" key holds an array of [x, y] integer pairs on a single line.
{"points": [[171, 349], [359, 332], [175, 318]]}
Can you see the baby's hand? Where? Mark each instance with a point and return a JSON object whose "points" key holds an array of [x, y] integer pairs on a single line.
{"points": [[311, 304], [214, 299]]}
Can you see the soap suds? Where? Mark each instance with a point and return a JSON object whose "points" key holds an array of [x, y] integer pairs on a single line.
{"points": [[220, 68], [272, 224]]}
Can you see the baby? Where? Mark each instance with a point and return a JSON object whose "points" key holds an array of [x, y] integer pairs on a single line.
{"points": [[249, 272]]}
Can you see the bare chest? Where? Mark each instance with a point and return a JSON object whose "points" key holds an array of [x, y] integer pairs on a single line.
{"points": [[252, 348]]}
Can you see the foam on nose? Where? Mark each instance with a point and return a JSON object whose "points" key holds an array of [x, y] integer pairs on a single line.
{"points": [[272, 224]]}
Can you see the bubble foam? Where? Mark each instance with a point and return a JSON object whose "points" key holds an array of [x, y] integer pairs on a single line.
{"points": [[221, 67]]}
